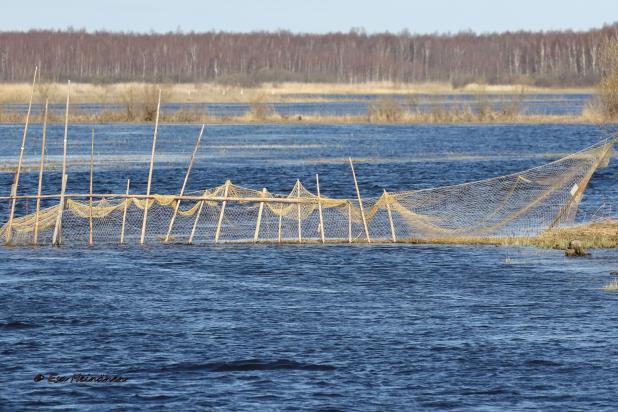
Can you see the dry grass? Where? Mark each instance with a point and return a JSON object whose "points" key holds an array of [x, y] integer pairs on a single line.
{"points": [[264, 113], [138, 103], [612, 286], [276, 92], [601, 234]]}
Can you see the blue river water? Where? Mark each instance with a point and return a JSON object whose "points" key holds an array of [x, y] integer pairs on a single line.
{"points": [[309, 327], [355, 105]]}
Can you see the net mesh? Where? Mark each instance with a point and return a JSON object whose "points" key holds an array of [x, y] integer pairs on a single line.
{"points": [[521, 204]]}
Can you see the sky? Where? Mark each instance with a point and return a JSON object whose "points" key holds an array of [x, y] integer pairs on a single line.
{"points": [[313, 16]]}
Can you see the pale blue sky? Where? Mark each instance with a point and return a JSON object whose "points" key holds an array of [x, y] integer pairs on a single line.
{"points": [[319, 16]]}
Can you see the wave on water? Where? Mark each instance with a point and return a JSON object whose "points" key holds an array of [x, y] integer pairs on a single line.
{"points": [[249, 365], [16, 325]]}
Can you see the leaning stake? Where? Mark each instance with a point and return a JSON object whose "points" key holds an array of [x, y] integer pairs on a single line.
{"points": [[19, 162], [90, 241], [317, 184], [152, 157], [197, 218], [225, 193], [300, 227], [57, 237], [360, 202], [349, 222], [127, 200], [280, 223], [390, 215], [184, 184], [66, 131], [40, 188]]}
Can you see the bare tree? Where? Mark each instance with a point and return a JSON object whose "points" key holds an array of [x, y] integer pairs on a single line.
{"points": [[541, 58]]}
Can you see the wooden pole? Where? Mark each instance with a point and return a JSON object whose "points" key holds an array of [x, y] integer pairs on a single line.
{"points": [[66, 131], [56, 238], [317, 184], [280, 223], [152, 157], [390, 215], [124, 212], [349, 222], [184, 184], [9, 231], [35, 239], [360, 202], [576, 196], [197, 218], [259, 218], [218, 232], [300, 229], [90, 240]]}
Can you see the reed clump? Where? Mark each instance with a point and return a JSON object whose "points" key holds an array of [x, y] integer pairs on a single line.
{"points": [[260, 110], [385, 110]]}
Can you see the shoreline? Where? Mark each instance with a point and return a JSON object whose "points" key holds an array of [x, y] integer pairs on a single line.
{"points": [[114, 93], [315, 120], [387, 103]]}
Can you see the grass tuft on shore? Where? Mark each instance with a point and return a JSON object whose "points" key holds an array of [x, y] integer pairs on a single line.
{"points": [[611, 286]]}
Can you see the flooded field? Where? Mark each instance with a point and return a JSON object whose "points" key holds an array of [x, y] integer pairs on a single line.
{"points": [[307, 326]]}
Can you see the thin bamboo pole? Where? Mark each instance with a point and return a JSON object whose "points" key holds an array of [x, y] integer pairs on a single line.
{"points": [[218, 232], [35, 239], [66, 130], [90, 240], [280, 223], [57, 237], [197, 218], [259, 218], [300, 228], [124, 213], [317, 184], [184, 184], [349, 222], [152, 157], [360, 202], [9, 231], [390, 215]]}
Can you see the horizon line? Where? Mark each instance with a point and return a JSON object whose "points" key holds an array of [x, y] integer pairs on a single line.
{"points": [[352, 30]]}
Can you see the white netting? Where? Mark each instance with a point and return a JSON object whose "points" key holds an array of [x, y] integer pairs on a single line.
{"points": [[521, 204]]}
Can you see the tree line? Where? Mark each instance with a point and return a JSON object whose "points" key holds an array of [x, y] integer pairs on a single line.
{"points": [[553, 58]]}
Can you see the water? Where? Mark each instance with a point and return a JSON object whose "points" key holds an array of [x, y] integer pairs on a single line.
{"points": [[356, 105], [388, 327]]}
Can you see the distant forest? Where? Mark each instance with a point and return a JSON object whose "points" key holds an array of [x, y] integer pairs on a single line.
{"points": [[552, 58]]}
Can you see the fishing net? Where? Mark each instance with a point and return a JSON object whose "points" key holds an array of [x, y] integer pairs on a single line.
{"points": [[520, 204]]}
